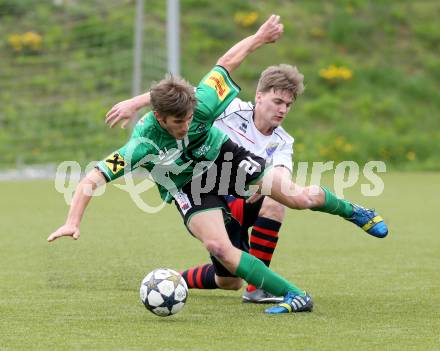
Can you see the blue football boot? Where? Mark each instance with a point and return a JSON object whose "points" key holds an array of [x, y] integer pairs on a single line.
{"points": [[369, 221], [293, 303]]}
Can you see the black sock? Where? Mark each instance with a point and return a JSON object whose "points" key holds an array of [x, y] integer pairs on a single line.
{"points": [[200, 277]]}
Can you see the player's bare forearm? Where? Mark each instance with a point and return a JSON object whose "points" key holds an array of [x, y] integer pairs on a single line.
{"points": [[83, 194], [142, 100], [269, 32], [126, 110]]}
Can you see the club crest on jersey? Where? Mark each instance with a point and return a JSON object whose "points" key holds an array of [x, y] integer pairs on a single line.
{"points": [[202, 151], [216, 81], [115, 162], [183, 202], [270, 149], [201, 128], [243, 127]]}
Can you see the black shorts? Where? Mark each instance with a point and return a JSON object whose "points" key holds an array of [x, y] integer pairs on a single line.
{"points": [[231, 174]]}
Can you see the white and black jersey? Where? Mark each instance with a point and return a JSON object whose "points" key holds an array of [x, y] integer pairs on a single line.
{"points": [[238, 123]]}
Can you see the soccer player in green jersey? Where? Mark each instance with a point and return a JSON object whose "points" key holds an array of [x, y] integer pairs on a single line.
{"points": [[194, 164]]}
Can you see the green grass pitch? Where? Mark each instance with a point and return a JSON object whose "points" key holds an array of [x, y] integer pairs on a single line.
{"points": [[370, 294]]}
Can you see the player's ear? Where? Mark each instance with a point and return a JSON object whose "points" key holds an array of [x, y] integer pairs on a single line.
{"points": [[158, 117], [258, 95]]}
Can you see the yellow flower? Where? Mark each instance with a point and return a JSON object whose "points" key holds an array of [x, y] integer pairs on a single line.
{"points": [[345, 73], [411, 155], [334, 73], [328, 73], [339, 141], [28, 40], [32, 40], [348, 148], [246, 19], [15, 41]]}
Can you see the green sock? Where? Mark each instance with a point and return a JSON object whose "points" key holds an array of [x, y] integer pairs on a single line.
{"points": [[335, 205], [255, 272]]}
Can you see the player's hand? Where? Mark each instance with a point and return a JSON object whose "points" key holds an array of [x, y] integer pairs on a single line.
{"points": [[271, 30], [65, 230], [123, 111], [254, 198]]}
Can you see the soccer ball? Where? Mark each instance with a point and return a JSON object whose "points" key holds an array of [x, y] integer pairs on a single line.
{"points": [[163, 292]]}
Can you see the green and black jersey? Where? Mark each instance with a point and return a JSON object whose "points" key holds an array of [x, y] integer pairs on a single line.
{"points": [[172, 162]]}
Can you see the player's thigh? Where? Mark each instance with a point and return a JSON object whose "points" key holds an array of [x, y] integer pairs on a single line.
{"points": [[208, 227], [277, 185]]}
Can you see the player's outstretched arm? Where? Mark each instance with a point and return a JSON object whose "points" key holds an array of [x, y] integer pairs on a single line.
{"points": [[83, 194], [126, 110], [269, 32]]}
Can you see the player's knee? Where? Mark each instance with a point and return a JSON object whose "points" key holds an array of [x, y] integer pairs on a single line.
{"points": [[218, 249], [301, 202], [313, 191], [306, 199], [229, 283]]}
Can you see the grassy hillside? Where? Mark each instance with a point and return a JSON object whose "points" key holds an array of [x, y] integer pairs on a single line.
{"points": [[371, 69]]}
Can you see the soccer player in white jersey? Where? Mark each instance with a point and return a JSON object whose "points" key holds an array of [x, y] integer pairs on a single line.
{"points": [[258, 129]]}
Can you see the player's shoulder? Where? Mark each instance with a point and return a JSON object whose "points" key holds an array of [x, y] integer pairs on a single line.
{"points": [[238, 109], [217, 78], [285, 137], [145, 126]]}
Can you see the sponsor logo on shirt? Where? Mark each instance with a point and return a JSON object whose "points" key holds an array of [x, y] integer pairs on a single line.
{"points": [[243, 127], [216, 81], [270, 149], [183, 201], [115, 162]]}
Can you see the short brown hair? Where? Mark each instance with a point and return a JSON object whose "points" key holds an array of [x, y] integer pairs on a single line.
{"points": [[281, 77], [173, 96]]}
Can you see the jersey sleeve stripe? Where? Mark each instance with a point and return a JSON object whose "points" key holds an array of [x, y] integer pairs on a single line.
{"points": [[228, 77], [104, 171]]}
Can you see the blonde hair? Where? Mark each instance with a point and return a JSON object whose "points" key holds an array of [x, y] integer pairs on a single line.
{"points": [[173, 96], [281, 77]]}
